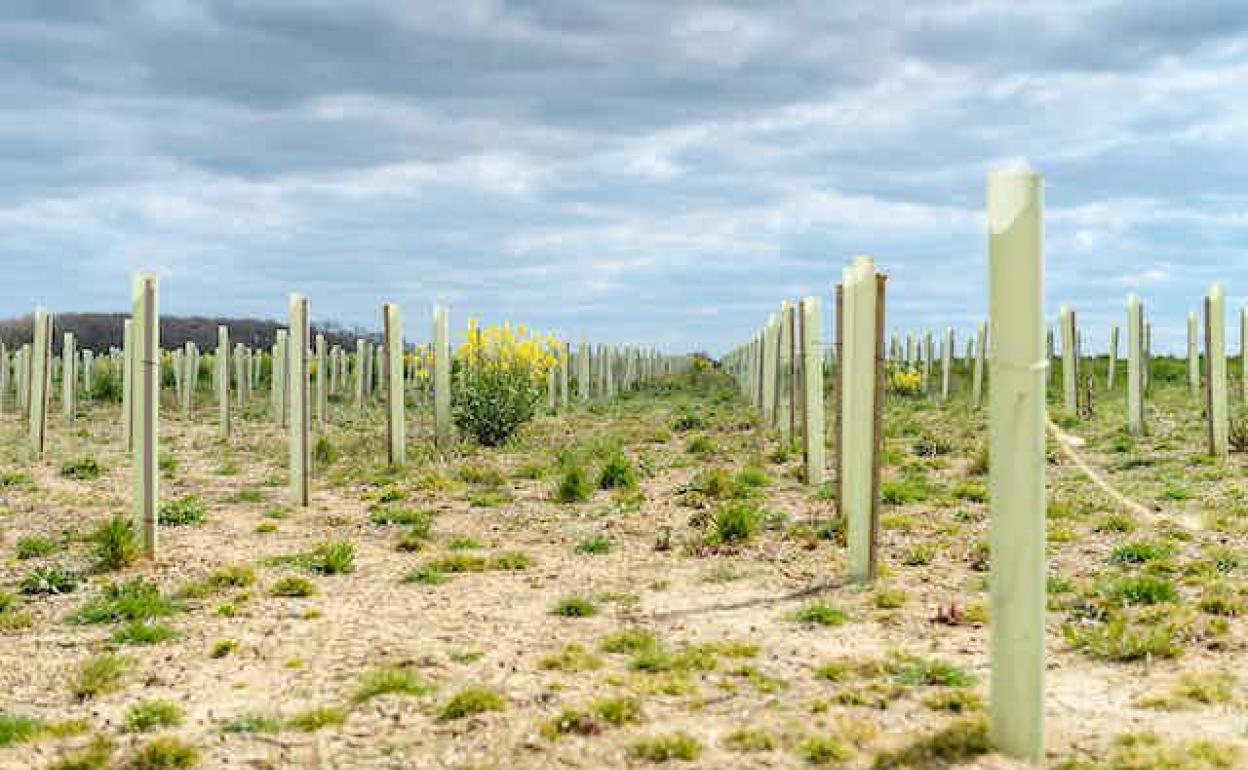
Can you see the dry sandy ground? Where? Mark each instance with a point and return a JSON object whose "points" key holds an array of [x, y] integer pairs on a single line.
{"points": [[491, 629]]}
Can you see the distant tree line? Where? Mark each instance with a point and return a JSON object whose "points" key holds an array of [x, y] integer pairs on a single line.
{"points": [[100, 331]]}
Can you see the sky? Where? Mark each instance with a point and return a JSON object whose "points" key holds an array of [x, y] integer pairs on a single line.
{"points": [[634, 171]]}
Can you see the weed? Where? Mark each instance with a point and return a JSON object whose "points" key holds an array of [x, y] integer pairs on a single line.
{"points": [[471, 701], [49, 580], [617, 473], [311, 720], [100, 675], [116, 544], [81, 469], [390, 680], [574, 486], [183, 511], [594, 545], [820, 614], [664, 748], [35, 547], [151, 714], [293, 586], [574, 607], [252, 724]]}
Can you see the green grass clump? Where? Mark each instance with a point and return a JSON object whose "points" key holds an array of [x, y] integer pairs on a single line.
{"points": [[35, 547], [464, 543], [629, 642], [1121, 640], [1144, 589], [1146, 751], [426, 576], [700, 445], [233, 576], [750, 740], [573, 486], [1141, 552], [466, 562], [471, 701], [665, 748], [252, 724], [821, 614], [142, 632], [825, 750], [151, 714], [116, 544], [49, 580], [574, 607], [572, 658], [134, 600], [223, 648], [417, 520], [332, 558], [921, 672], [958, 742], [737, 522], [390, 680], [100, 675], [617, 473], [909, 489], [614, 712], [311, 720], [594, 545], [82, 469], [96, 755], [1192, 690], [18, 728], [164, 753], [294, 587], [889, 598], [183, 511]]}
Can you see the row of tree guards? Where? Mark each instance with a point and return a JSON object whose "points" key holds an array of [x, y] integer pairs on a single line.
{"points": [[301, 375], [782, 367]]}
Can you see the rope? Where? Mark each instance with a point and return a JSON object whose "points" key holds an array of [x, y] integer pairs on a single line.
{"points": [[1067, 444]]}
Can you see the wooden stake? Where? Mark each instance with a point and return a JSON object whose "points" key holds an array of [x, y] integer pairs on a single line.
{"points": [[322, 381], [1193, 355], [812, 390], [1016, 446]]}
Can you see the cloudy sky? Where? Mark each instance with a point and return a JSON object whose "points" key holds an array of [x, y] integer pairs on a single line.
{"points": [[634, 170]]}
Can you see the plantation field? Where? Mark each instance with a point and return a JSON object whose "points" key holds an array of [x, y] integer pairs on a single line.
{"points": [[634, 581]]}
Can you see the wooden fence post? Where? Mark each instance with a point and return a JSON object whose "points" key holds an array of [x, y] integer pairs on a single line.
{"points": [[396, 419], [296, 374], [812, 390], [145, 346], [1017, 449], [442, 378]]}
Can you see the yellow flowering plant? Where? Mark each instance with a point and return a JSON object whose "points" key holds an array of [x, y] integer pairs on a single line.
{"points": [[905, 382], [500, 372]]}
